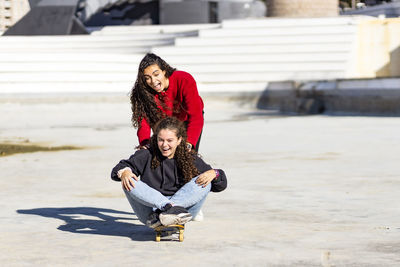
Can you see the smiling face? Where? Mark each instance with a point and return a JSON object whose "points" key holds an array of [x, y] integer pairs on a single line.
{"points": [[155, 78], [167, 142]]}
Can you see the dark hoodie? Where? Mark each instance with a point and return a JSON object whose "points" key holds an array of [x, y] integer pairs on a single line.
{"points": [[166, 178]]}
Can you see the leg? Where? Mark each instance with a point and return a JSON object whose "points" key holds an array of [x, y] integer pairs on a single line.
{"points": [[196, 208], [144, 199], [142, 212], [198, 142], [191, 194]]}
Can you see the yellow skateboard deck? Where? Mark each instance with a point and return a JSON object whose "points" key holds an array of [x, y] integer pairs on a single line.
{"points": [[169, 230]]}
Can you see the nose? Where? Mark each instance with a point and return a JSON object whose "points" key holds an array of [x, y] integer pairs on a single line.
{"points": [[153, 80]]}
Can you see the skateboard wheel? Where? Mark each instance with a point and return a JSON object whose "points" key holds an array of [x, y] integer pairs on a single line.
{"points": [[180, 235], [158, 237]]}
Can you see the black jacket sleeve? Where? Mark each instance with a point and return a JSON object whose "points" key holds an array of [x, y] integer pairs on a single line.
{"points": [[137, 163], [217, 185]]}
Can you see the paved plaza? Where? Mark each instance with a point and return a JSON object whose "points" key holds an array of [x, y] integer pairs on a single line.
{"points": [[317, 190]]}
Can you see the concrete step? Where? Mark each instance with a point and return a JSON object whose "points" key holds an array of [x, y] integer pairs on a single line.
{"points": [[65, 87], [31, 46], [174, 59], [179, 28], [201, 77], [119, 87], [249, 49], [122, 43], [257, 77], [265, 58], [265, 40], [67, 39], [262, 67], [77, 58], [277, 31], [113, 49], [84, 67], [109, 67], [292, 22], [68, 76]]}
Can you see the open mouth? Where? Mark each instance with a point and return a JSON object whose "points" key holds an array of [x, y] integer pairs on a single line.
{"points": [[157, 87]]}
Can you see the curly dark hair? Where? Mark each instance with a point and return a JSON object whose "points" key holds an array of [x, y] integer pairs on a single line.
{"points": [[184, 158], [142, 95]]}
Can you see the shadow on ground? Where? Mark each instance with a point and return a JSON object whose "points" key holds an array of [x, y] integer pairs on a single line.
{"points": [[96, 221]]}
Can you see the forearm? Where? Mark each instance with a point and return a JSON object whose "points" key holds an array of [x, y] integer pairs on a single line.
{"points": [[143, 133], [194, 128], [220, 182], [119, 168]]}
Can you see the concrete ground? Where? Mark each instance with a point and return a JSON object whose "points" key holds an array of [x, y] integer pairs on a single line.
{"points": [[302, 190]]}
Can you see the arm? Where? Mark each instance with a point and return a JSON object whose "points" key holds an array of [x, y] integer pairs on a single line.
{"points": [[193, 105], [143, 133], [128, 170], [216, 177], [127, 176]]}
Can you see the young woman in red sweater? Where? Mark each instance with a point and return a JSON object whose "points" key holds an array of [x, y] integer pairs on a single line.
{"points": [[162, 91]]}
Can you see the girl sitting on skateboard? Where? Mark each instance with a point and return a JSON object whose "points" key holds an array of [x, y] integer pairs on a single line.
{"points": [[160, 91], [167, 184]]}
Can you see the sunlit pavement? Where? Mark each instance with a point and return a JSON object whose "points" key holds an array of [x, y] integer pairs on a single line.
{"points": [[302, 190]]}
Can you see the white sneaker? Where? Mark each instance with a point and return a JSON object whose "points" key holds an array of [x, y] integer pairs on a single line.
{"points": [[175, 215], [199, 217]]}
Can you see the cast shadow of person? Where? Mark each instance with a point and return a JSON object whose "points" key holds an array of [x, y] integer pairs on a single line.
{"points": [[96, 221]]}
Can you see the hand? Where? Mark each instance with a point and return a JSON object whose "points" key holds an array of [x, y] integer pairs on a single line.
{"points": [[127, 178], [143, 147], [189, 146], [206, 177]]}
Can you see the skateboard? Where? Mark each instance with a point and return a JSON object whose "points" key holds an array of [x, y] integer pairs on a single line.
{"points": [[169, 230]]}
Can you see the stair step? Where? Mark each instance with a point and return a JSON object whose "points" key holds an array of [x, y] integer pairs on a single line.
{"points": [[266, 76], [117, 49], [277, 31], [265, 58], [179, 28], [84, 67], [78, 39], [290, 22], [119, 87], [266, 40], [252, 49], [77, 45], [262, 67], [78, 58], [209, 77], [66, 87]]}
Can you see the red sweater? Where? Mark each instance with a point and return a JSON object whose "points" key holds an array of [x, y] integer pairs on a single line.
{"points": [[182, 100]]}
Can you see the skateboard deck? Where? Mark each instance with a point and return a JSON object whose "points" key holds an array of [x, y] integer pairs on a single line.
{"points": [[169, 231]]}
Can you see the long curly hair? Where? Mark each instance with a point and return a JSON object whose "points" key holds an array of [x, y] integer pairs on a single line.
{"points": [[143, 105], [184, 158]]}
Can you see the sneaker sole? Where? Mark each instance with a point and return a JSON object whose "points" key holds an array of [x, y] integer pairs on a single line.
{"points": [[154, 225], [169, 219]]}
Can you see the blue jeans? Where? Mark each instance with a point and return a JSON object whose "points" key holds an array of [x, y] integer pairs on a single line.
{"points": [[145, 199]]}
